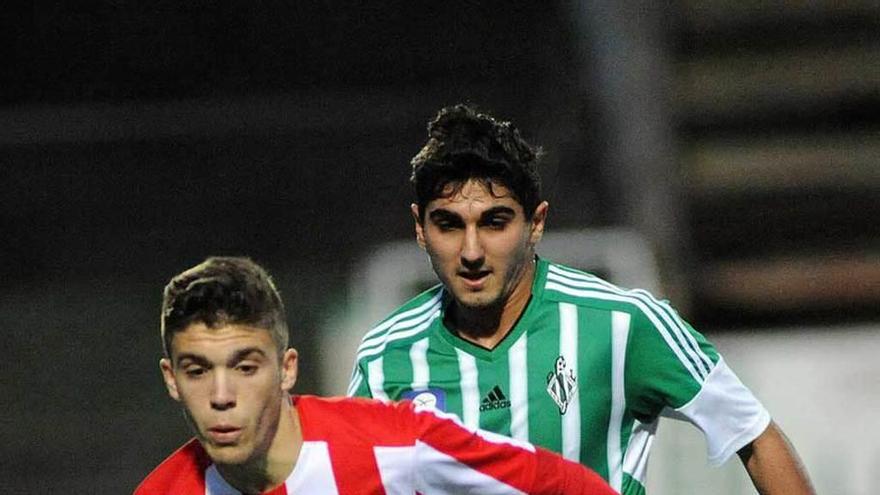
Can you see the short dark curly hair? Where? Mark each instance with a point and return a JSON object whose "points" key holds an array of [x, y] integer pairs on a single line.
{"points": [[464, 144], [222, 291]]}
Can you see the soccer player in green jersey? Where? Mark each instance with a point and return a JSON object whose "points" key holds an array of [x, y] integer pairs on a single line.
{"points": [[520, 345]]}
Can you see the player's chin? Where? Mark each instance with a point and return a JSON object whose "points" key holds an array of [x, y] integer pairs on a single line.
{"points": [[228, 454], [478, 301]]}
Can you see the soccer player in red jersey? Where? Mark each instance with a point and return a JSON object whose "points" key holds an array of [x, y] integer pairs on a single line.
{"points": [[227, 362]]}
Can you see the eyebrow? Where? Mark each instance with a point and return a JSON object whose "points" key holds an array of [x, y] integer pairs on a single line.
{"points": [[237, 357], [195, 358], [443, 214], [498, 210], [243, 354]]}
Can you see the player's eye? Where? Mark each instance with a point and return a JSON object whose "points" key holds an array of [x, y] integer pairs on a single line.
{"points": [[445, 221], [247, 369], [497, 223], [446, 225], [195, 371]]}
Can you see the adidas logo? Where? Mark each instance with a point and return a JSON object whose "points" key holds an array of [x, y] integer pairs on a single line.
{"points": [[495, 399]]}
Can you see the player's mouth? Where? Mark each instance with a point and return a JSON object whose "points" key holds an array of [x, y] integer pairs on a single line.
{"points": [[474, 280], [224, 434]]}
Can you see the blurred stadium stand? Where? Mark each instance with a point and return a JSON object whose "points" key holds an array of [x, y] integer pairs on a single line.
{"points": [[779, 128]]}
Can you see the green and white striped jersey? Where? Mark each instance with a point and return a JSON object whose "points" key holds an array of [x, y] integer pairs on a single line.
{"points": [[586, 371]]}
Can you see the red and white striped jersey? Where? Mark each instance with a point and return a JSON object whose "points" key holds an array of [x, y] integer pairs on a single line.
{"points": [[360, 446]]}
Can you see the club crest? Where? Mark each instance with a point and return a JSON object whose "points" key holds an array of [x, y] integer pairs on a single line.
{"points": [[562, 385]]}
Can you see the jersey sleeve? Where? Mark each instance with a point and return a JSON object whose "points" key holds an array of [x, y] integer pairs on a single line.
{"points": [[359, 386], [415, 315], [450, 458], [671, 369]]}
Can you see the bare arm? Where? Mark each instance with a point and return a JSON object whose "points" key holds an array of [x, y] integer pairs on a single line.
{"points": [[774, 466]]}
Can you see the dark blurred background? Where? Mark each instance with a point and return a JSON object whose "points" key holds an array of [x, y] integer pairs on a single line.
{"points": [[741, 141]]}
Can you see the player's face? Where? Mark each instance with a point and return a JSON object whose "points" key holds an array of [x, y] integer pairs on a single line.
{"points": [[232, 386], [480, 242]]}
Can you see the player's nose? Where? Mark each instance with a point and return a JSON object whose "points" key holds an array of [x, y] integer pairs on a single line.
{"points": [[472, 254], [222, 392]]}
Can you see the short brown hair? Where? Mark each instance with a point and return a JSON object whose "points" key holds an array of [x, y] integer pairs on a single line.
{"points": [[222, 291]]}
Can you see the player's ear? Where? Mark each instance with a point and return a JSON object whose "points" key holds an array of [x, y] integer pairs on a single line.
{"points": [[539, 218], [168, 375], [289, 369], [420, 230]]}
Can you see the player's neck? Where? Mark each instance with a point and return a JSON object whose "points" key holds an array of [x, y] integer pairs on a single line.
{"points": [[275, 467], [487, 327]]}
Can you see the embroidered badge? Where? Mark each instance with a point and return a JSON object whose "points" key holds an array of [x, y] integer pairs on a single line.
{"points": [[562, 385]]}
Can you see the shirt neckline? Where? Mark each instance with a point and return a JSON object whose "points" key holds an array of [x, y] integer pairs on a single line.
{"points": [[480, 352]]}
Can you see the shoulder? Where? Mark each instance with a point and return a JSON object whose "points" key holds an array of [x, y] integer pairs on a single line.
{"points": [[645, 311], [573, 286], [182, 472], [355, 420], [313, 406], [408, 322]]}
